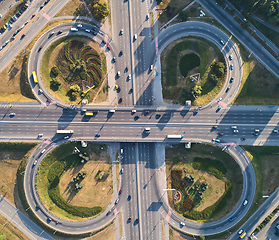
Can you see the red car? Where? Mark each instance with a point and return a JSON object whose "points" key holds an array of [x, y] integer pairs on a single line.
{"points": [[25, 23], [221, 134], [146, 111], [120, 191], [108, 47], [33, 15], [22, 36], [134, 145]]}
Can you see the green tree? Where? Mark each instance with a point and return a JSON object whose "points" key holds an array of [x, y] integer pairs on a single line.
{"points": [[55, 70], [75, 88], [197, 89], [55, 84], [183, 15], [100, 11]]}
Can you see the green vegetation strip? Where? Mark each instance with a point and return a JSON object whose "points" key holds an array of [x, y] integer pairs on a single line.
{"points": [[51, 169]]}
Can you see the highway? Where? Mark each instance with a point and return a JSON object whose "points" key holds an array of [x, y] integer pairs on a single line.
{"points": [[140, 178]]}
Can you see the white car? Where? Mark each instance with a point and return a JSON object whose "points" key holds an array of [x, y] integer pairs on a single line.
{"points": [[87, 30], [121, 32], [245, 203], [118, 74], [135, 37], [129, 76], [79, 26]]}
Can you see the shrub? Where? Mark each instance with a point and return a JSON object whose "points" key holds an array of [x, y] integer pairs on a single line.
{"points": [[176, 160], [55, 84], [55, 70], [82, 75], [183, 15]]}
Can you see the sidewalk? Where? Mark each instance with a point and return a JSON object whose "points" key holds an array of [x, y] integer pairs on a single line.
{"points": [[22, 222]]}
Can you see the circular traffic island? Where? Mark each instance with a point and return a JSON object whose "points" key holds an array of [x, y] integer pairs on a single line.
{"points": [[73, 69], [207, 181], [193, 69], [75, 183]]}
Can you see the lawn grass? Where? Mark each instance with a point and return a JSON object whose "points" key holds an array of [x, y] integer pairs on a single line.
{"points": [[9, 231], [96, 152], [187, 157], [188, 62], [73, 8], [178, 88], [173, 7], [11, 155]]}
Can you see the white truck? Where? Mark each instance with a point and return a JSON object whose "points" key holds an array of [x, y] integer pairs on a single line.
{"points": [[65, 131]]}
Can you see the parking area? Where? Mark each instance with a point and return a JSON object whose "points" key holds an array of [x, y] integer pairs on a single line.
{"points": [[268, 232]]}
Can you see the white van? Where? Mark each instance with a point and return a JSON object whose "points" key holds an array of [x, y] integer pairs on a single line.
{"points": [[43, 151], [112, 111], [121, 151], [151, 67], [134, 111], [74, 30], [147, 129]]}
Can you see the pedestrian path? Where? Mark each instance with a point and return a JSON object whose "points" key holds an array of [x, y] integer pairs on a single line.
{"points": [[22, 222]]}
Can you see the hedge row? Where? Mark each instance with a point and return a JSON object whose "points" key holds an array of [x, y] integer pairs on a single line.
{"points": [[95, 59], [213, 167], [212, 210]]}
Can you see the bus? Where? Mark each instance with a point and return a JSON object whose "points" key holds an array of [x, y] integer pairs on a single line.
{"points": [[34, 77], [175, 136], [242, 235], [89, 114], [65, 131]]}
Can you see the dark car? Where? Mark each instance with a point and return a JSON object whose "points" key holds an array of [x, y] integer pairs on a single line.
{"points": [[97, 135], [227, 89], [221, 134], [136, 221], [39, 49], [120, 192], [231, 219], [129, 219], [231, 80], [129, 198], [134, 145], [218, 109], [59, 32], [121, 53], [22, 36]]}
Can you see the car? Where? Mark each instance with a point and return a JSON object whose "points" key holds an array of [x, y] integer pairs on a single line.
{"points": [[121, 171], [120, 100], [275, 131], [129, 76], [97, 135], [59, 32], [40, 135], [234, 127], [221, 134], [120, 53], [135, 37], [21, 11], [216, 140], [256, 134], [231, 67], [51, 34], [146, 111], [12, 114], [219, 100], [33, 15], [221, 41], [40, 48], [18, 15], [108, 212], [22, 36], [108, 47], [134, 145], [118, 74], [240, 231], [137, 221], [147, 16], [257, 130], [235, 131], [231, 219], [230, 57], [129, 198], [116, 201], [227, 89], [10, 26], [40, 91], [231, 80], [87, 30], [245, 202], [114, 59], [26, 23], [67, 137], [41, 6], [182, 224], [34, 162], [79, 25], [136, 118], [12, 38], [129, 219], [243, 139], [120, 192], [121, 32], [218, 109], [196, 112]]}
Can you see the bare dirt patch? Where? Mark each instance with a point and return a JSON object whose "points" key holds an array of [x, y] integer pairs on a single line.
{"points": [[93, 193]]}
